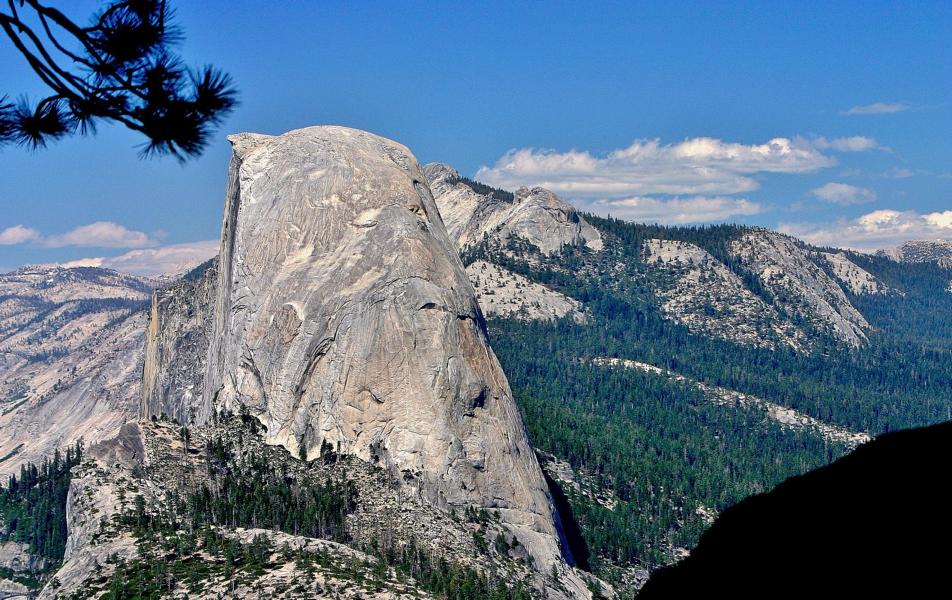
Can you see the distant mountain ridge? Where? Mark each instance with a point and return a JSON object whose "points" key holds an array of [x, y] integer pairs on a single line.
{"points": [[922, 251], [71, 342], [806, 287], [535, 215]]}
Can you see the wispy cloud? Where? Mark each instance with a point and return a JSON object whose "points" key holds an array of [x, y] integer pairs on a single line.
{"points": [[669, 211], [696, 166], [843, 194], [899, 173], [692, 181], [878, 108], [166, 260], [18, 234], [856, 143], [877, 229]]}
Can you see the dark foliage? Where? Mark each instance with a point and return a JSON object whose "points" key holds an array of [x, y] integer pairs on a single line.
{"points": [[120, 68], [874, 524], [33, 505], [486, 190], [256, 496]]}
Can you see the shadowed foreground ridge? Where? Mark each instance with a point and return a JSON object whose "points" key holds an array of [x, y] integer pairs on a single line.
{"points": [[874, 522]]}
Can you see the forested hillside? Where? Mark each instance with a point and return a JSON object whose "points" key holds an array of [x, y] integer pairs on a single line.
{"points": [[658, 459], [33, 519]]}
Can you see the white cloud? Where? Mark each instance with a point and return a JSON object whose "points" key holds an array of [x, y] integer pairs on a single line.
{"points": [[696, 209], [102, 234], [843, 194], [18, 234], [696, 166], [877, 229], [878, 108], [166, 260], [855, 143]]}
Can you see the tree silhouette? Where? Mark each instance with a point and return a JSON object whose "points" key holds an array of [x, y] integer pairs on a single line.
{"points": [[119, 69]]}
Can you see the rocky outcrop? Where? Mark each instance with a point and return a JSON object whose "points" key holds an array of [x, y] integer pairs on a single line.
{"points": [[787, 271], [71, 351], [16, 557], [857, 280], [177, 342], [535, 215], [153, 460], [98, 495], [502, 293], [343, 317], [703, 294]]}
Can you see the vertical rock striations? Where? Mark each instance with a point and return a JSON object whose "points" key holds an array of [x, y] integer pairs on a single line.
{"points": [[344, 318], [176, 348]]}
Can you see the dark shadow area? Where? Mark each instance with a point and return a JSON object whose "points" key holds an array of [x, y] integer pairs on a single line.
{"points": [[875, 523], [570, 527]]}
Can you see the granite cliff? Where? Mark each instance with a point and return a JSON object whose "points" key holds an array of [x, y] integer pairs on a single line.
{"points": [[339, 317]]}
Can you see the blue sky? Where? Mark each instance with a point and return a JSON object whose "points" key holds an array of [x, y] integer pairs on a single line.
{"points": [[829, 122]]}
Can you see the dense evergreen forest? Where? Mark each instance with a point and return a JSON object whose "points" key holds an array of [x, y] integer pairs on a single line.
{"points": [[33, 505], [485, 190], [254, 495], [659, 448]]}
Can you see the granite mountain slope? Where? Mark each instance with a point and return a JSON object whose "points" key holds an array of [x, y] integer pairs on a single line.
{"points": [[799, 292], [536, 215], [71, 348], [765, 352]]}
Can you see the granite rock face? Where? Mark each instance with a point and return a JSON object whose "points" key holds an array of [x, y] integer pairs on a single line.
{"points": [[854, 278], [536, 215], [788, 270], [702, 293], [502, 293], [343, 317], [177, 346]]}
